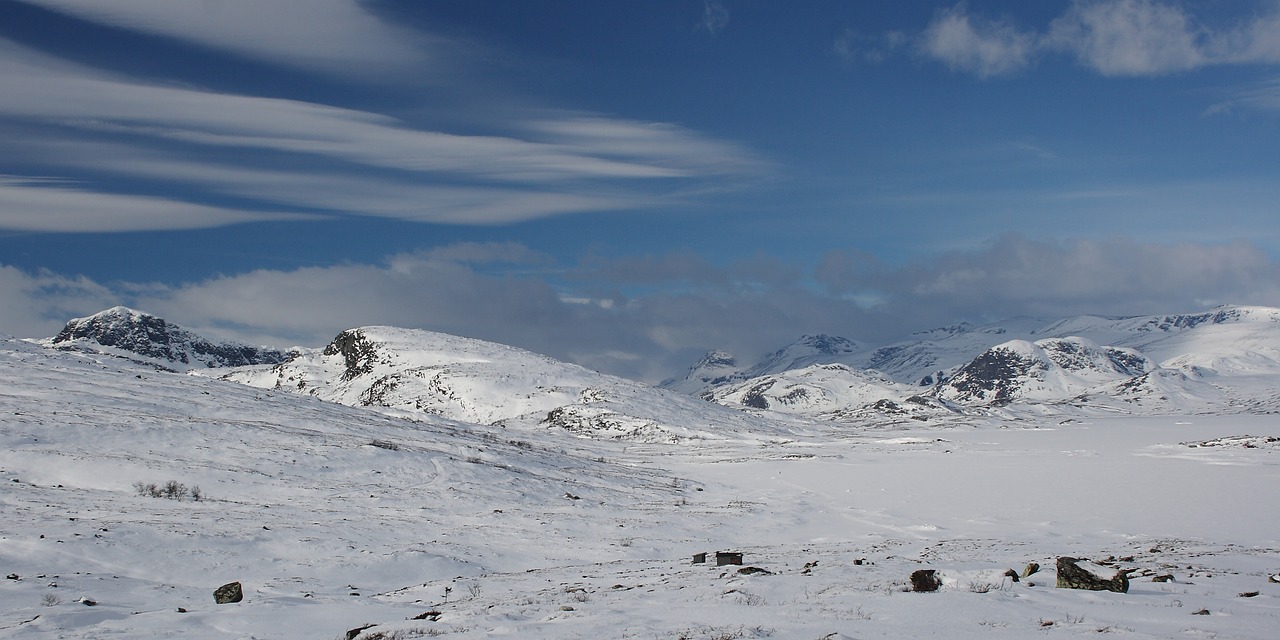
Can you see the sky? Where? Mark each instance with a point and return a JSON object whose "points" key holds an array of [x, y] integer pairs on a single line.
{"points": [[627, 185]]}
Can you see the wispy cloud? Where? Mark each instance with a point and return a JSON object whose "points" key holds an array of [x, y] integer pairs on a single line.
{"points": [[51, 205], [1111, 37], [715, 16], [356, 162], [323, 35]]}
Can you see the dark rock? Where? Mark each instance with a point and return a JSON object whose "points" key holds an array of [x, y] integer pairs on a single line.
{"points": [[429, 615], [1164, 577], [925, 580], [352, 633], [1072, 576], [228, 593], [152, 337], [1202, 612], [754, 571], [1249, 594], [1011, 574], [1031, 568], [357, 351]]}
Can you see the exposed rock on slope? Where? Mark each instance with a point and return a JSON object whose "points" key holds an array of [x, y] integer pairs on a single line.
{"points": [[140, 336], [1048, 370], [476, 381], [715, 368]]}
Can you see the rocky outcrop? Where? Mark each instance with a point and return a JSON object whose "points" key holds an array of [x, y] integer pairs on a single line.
{"points": [[1074, 573], [357, 351], [158, 340]]}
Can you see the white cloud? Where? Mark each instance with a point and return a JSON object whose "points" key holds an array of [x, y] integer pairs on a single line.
{"points": [[715, 16], [1112, 37], [978, 46], [27, 205], [325, 35], [363, 162], [37, 305], [682, 306], [1018, 276], [1130, 37]]}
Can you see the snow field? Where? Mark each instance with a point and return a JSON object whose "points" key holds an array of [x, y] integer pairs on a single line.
{"points": [[335, 517]]}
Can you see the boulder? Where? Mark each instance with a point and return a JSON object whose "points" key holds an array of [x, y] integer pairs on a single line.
{"points": [[228, 593], [1031, 568], [1074, 573], [925, 580]]}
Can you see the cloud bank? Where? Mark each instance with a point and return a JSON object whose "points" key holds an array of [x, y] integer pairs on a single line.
{"points": [[648, 318]]}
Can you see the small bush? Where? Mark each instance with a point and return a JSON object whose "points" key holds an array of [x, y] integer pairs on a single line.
{"points": [[173, 490], [51, 600]]}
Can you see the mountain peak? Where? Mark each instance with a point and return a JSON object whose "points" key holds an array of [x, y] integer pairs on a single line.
{"points": [[134, 334]]}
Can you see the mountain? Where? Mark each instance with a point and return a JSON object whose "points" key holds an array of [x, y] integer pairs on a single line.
{"points": [[1225, 359], [715, 368], [418, 372], [1227, 340], [718, 369], [143, 337], [1049, 370], [387, 521], [808, 350], [830, 392], [334, 518]]}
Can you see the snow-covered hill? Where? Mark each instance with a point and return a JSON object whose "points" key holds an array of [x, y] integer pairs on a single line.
{"points": [[832, 392], [334, 518], [1049, 370], [145, 338], [1224, 360], [418, 371]]}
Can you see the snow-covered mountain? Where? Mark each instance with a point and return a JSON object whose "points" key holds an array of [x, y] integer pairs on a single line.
{"points": [[419, 371], [146, 338], [831, 392], [715, 368], [718, 368], [1227, 359], [1049, 370], [346, 522]]}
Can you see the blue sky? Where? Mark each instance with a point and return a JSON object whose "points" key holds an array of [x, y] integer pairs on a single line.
{"points": [[626, 185]]}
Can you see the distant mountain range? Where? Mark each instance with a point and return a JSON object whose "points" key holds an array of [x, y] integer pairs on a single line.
{"points": [[1226, 359], [1223, 360]]}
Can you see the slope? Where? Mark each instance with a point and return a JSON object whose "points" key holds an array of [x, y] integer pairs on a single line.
{"points": [[419, 371]]}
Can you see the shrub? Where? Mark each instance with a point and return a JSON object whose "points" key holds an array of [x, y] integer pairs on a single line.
{"points": [[172, 490]]}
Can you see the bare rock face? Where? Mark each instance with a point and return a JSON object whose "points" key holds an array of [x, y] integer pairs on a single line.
{"points": [[228, 593], [1071, 575], [154, 338]]}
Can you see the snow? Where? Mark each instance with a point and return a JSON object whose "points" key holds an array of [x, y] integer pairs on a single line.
{"points": [[334, 517]]}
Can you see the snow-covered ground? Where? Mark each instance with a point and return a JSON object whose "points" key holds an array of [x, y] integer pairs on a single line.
{"points": [[335, 517]]}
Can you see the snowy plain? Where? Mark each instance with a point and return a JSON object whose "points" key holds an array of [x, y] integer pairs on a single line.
{"points": [[335, 517]]}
